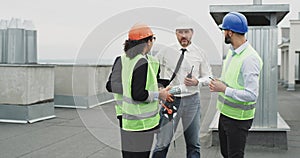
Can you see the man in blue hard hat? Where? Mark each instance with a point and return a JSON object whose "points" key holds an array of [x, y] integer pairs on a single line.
{"points": [[238, 87]]}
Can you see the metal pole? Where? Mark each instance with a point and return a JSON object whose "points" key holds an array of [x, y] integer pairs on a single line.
{"points": [[15, 42], [257, 2], [3, 40], [30, 42]]}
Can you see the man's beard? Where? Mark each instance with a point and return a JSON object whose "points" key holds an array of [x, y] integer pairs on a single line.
{"points": [[185, 44], [227, 40]]}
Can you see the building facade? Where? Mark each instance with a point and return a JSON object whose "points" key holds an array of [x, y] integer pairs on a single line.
{"points": [[290, 58]]}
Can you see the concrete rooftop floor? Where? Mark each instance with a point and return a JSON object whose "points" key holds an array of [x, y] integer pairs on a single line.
{"points": [[93, 133]]}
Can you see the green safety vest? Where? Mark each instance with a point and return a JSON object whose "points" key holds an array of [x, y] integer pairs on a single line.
{"points": [[118, 106], [137, 115], [226, 105]]}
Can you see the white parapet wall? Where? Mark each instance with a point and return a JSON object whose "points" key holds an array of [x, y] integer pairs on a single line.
{"points": [[81, 86], [26, 93]]}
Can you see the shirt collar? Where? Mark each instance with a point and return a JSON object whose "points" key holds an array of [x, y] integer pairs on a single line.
{"points": [[179, 47], [240, 49]]}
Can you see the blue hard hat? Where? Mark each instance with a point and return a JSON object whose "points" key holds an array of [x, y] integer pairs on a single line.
{"points": [[235, 22]]}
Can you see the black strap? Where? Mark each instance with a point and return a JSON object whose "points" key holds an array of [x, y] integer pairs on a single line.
{"points": [[178, 64]]}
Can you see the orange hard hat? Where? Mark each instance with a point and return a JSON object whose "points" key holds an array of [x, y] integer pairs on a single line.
{"points": [[139, 31]]}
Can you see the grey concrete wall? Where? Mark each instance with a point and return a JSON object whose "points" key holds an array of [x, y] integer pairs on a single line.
{"points": [[81, 85], [26, 93], [84, 85], [80, 79], [63, 80], [26, 84]]}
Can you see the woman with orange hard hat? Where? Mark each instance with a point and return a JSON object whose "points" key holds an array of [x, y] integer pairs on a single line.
{"points": [[140, 93]]}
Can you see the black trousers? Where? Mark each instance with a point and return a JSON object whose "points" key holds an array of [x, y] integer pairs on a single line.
{"points": [[232, 135], [136, 144]]}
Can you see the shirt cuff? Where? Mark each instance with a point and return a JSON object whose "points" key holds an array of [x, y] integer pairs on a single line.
{"points": [[203, 81], [229, 92], [153, 96], [200, 83]]}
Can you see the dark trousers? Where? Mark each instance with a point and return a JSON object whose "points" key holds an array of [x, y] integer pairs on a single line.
{"points": [[233, 134], [136, 144]]}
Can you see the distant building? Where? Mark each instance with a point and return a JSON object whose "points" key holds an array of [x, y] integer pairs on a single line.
{"points": [[290, 58]]}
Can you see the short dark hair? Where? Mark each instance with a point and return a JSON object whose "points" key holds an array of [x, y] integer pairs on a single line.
{"points": [[242, 34], [134, 47]]}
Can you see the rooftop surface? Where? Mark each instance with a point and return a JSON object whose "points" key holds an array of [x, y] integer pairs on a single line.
{"points": [[80, 133]]}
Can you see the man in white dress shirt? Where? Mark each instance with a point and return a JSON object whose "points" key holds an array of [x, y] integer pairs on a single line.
{"points": [[187, 102]]}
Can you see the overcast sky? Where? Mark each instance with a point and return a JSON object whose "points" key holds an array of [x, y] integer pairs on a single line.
{"points": [[64, 25]]}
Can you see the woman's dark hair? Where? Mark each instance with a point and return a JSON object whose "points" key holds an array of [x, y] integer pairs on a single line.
{"points": [[134, 47]]}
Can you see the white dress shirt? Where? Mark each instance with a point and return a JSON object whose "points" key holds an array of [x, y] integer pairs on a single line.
{"points": [[168, 59], [249, 77]]}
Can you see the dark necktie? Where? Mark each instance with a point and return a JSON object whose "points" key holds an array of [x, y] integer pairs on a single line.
{"points": [[178, 63]]}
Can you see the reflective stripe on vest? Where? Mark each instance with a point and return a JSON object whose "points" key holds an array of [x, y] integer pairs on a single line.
{"points": [[140, 116], [235, 105], [119, 102], [131, 101]]}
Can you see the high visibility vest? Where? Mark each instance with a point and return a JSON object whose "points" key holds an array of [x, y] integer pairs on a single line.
{"points": [[137, 115], [118, 107], [226, 105]]}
